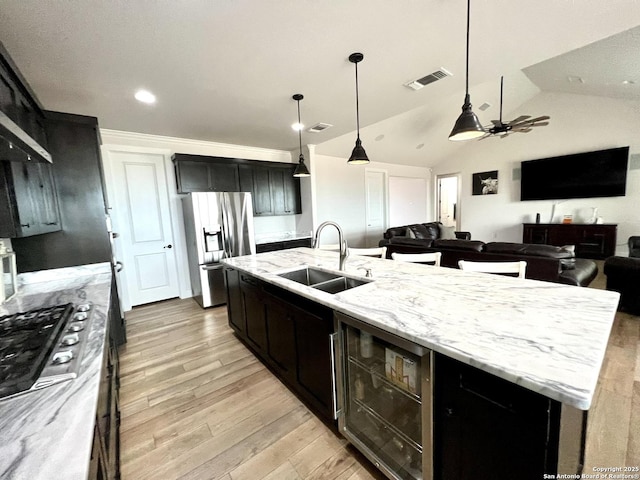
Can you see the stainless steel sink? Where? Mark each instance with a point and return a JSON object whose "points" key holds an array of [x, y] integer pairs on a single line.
{"points": [[322, 280]]}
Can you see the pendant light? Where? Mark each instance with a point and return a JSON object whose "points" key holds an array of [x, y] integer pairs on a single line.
{"points": [[467, 126], [301, 169], [358, 156]]}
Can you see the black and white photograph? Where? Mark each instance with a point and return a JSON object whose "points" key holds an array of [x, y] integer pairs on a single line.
{"points": [[485, 183]]}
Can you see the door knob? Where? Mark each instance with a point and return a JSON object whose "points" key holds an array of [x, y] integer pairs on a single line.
{"points": [[168, 246]]}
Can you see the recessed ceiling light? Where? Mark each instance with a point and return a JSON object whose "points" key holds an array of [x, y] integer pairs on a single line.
{"points": [[297, 126], [575, 79], [419, 146], [145, 96], [379, 137], [628, 82]]}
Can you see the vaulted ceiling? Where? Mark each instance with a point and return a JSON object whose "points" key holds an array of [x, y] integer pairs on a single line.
{"points": [[225, 70]]}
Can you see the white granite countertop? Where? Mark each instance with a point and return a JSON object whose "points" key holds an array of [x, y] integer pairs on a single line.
{"points": [[280, 237], [48, 433], [547, 337]]}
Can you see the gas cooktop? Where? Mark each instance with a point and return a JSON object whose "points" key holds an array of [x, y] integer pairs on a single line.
{"points": [[41, 347]]}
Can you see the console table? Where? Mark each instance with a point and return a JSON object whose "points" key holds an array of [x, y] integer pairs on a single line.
{"points": [[591, 240]]}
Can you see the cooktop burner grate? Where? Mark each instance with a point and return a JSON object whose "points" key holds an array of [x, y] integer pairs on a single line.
{"points": [[27, 340]]}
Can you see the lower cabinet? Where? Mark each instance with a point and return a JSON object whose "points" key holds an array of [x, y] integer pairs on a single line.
{"points": [[289, 334], [486, 428], [105, 454]]}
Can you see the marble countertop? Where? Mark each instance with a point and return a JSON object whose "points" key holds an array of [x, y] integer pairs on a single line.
{"points": [[547, 337], [280, 237], [49, 432]]}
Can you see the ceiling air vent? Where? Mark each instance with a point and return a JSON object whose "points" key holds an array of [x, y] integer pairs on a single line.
{"points": [[319, 127], [432, 77]]}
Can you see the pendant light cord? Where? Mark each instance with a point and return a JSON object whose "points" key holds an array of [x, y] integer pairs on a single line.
{"points": [[299, 129], [468, 25], [357, 104]]}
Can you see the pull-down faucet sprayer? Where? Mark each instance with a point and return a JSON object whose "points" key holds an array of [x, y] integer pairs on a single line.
{"points": [[344, 250]]}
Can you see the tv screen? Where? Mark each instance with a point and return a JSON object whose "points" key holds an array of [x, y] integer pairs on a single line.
{"points": [[602, 173]]}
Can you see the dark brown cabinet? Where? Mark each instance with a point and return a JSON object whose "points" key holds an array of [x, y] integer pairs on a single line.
{"points": [[105, 454], [199, 173], [254, 307], [486, 428], [283, 245], [596, 241], [285, 190], [234, 301], [274, 189], [256, 179], [290, 335], [20, 105], [28, 200], [81, 199]]}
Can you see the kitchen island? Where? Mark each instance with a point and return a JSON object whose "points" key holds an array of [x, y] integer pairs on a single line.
{"points": [[49, 433], [544, 337]]}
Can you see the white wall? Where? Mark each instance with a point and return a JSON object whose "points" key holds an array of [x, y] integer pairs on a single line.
{"points": [[578, 123], [339, 190]]}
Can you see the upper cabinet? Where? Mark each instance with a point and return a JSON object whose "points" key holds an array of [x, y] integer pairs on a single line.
{"points": [[28, 200], [22, 122], [198, 173], [274, 189]]}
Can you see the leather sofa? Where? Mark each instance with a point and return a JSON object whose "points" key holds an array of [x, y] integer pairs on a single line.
{"points": [[623, 276], [420, 234], [544, 262]]}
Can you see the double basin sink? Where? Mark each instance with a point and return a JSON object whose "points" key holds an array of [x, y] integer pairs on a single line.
{"points": [[329, 282]]}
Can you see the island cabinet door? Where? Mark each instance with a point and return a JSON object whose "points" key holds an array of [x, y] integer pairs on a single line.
{"points": [[234, 301], [486, 428], [313, 347], [281, 338], [254, 313]]}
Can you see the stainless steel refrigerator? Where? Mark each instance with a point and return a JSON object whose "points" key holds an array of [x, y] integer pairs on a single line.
{"points": [[217, 225]]}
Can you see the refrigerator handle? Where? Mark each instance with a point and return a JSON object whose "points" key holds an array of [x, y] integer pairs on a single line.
{"points": [[225, 227]]}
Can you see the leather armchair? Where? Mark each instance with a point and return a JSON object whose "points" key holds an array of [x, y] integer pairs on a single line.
{"points": [[634, 246]]}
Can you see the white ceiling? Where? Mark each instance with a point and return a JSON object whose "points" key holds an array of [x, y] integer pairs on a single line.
{"points": [[225, 70]]}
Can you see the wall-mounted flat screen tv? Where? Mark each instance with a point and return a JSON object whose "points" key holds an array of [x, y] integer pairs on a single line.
{"points": [[602, 173]]}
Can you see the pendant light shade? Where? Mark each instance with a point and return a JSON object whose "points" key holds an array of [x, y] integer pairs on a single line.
{"points": [[301, 169], [358, 156], [467, 126]]}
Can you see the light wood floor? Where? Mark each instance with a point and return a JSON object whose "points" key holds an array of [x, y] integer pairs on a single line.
{"points": [[196, 404]]}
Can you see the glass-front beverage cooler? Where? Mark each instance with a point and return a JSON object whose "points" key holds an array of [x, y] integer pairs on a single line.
{"points": [[384, 398]]}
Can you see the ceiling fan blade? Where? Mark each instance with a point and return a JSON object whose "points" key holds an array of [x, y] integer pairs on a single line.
{"points": [[539, 119], [519, 119], [540, 124], [531, 121]]}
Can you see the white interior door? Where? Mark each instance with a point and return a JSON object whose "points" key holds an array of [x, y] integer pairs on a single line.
{"points": [[376, 205], [448, 201], [141, 211]]}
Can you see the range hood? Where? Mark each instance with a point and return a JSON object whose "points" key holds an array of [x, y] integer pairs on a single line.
{"points": [[18, 146]]}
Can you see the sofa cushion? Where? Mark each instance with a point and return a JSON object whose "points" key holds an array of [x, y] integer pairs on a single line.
{"points": [[416, 242], [563, 254], [581, 275], [472, 245], [395, 232], [447, 233], [424, 231]]}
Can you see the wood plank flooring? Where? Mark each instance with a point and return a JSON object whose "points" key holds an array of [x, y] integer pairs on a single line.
{"points": [[196, 404]]}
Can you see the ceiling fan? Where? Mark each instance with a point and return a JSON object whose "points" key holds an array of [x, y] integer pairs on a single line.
{"points": [[523, 124]]}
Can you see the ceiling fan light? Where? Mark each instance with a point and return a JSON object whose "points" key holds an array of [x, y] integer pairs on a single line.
{"points": [[467, 126], [358, 156], [301, 169]]}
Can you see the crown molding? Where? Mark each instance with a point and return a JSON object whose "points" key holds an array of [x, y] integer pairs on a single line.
{"points": [[187, 145]]}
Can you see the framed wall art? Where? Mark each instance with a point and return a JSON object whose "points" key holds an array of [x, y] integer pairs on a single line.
{"points": [[485, 183]]}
